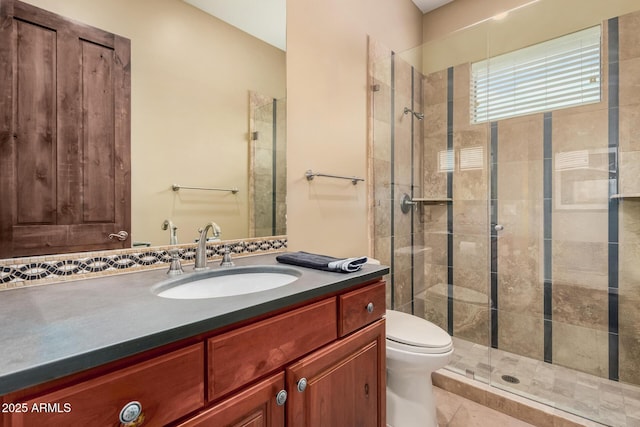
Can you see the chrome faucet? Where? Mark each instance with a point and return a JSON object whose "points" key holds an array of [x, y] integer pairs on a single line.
{"points": [[173, 236], [201, 250]]}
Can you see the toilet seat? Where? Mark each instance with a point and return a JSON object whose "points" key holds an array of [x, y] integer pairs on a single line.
{"points": [[416, 335]]}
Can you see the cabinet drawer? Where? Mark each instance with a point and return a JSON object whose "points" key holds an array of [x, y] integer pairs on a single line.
{"points": [[167, 387], [238, 357], [361, 307], [255, 406]]}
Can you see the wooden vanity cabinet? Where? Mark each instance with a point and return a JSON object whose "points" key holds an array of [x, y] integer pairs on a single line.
{"points": [[302, 367], [342, 384], [167, 387], [257, 406]]}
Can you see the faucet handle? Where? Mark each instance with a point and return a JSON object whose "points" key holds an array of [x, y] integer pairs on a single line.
{"points": [[175, 268], [226, 258]]}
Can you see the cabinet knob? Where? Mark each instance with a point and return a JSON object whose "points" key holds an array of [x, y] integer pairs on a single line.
{"points": [[130, 412], [370, 307], [281, 397], [302, 384]]}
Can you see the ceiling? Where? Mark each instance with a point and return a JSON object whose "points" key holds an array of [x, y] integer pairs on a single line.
{"points": [[428, 5], [264, 19], [267, 19]]}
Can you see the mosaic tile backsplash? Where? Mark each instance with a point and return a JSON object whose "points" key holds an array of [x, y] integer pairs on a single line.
{"points": [[19, 272]]}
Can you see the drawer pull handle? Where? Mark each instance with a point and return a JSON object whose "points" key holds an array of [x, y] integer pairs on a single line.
{"points": [[370, 307], [281, 397], [302, 384], [130, 412]]}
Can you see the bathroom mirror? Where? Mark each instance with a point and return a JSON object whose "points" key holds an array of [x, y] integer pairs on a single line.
{"points": [[207, 111]]}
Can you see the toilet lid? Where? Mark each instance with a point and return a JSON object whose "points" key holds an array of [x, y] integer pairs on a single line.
{"points": [[412, 330]]}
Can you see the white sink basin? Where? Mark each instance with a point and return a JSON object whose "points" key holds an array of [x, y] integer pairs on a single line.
{"points": [[226, 282]]}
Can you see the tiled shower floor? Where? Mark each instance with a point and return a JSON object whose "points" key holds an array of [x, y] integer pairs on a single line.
{"points": [[595, 398]]}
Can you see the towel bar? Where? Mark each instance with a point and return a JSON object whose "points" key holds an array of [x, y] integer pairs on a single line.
{"points": [[310, 175], [176, 187]]}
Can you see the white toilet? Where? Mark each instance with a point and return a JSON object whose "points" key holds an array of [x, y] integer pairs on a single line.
{"points": [[415, 348]]}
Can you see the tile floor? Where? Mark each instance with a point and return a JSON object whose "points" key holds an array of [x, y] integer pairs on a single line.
{"points": [[598, 399], [455, 411]]}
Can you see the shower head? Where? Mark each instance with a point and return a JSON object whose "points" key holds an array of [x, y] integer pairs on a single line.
{"points": [[419, 116]]}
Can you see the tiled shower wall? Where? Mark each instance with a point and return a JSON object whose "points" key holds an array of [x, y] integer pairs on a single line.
{"points": [[267, 182], [396, 163], [560, 282]]}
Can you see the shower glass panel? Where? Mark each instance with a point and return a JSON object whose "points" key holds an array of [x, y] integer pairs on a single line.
{"points": [[564, 273], [520, 235], [267, 171]]}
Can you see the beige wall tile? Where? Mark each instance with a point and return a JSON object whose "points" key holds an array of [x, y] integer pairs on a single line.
{"points": [[435, 121], [435, 88], [435, 179], [402, 287], [629, 317], [471, 217], [379, 61], [462, 82], [436, 248], [580, 131], [470, 184], [520, 180], [522, 219], [470, 252], [581, 225], [630, 82], [434, 218], [519, 332], [520, 139], [520, 280], [381, 140], [585, 263], [435, 304], [630, 128], [582, 306], [580, 348], [471, 321], [629, 36], [629, 214], [382, 103], [629, 165]]}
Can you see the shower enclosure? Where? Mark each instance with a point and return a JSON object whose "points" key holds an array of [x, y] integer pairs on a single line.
{"points": [[267, 166], [517, 230]]}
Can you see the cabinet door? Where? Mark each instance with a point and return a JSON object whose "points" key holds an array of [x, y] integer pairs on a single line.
{"points": [[257, 406], [64, 134], [345, 383]]}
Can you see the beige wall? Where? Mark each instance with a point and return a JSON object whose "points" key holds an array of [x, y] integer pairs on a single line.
{"points": [[191, 76], [327, 114]]}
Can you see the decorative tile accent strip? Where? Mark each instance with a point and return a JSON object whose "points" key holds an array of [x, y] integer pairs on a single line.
{"points": [[19, 272], [613, 36], [450, 92]]}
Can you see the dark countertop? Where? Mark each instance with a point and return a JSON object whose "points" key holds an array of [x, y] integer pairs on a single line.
{"points": [[55, 330]]}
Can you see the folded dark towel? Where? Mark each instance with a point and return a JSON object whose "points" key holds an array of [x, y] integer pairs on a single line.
{"points": [[322, 262]]}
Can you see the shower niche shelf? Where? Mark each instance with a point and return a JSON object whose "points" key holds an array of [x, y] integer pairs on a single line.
{"points": [[432, 200], [407, 202], [623, 196]]}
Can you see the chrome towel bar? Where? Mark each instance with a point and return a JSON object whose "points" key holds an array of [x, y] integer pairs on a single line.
{"points": [[311, 174], [176, 187]]}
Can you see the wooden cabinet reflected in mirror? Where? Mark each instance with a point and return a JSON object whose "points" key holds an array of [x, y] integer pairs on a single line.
{"points": [[191, 75], [65, 148]]}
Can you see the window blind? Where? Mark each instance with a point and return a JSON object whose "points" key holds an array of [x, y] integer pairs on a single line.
{"points": [[558, 73]]}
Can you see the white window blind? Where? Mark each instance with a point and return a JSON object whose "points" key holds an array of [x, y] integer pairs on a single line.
{"points": [[558, 73]]}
